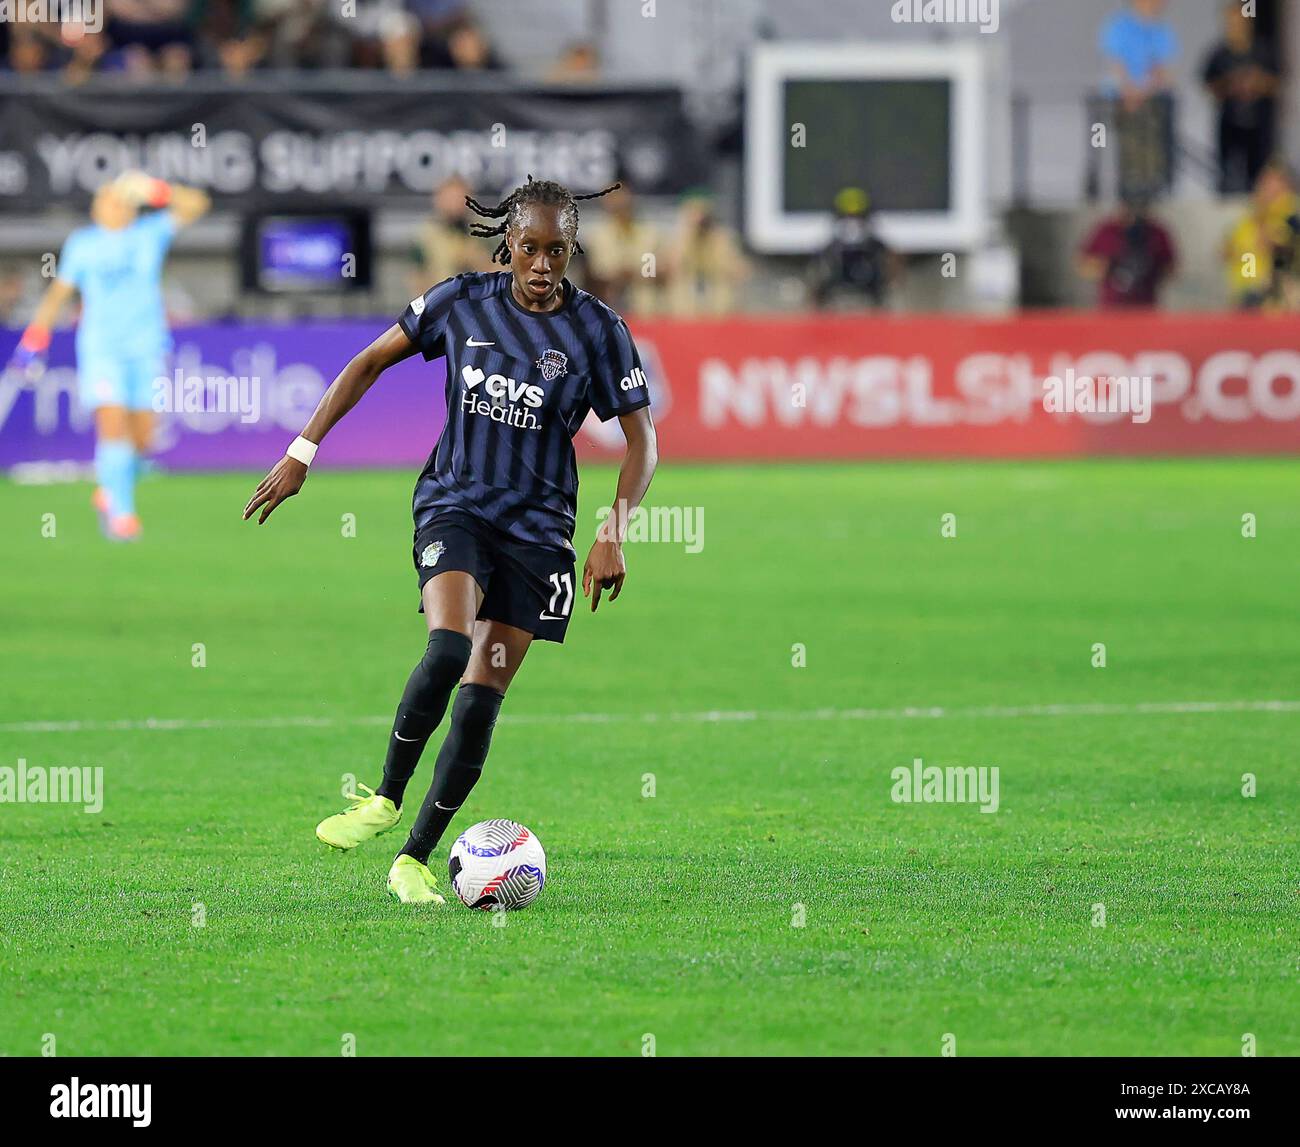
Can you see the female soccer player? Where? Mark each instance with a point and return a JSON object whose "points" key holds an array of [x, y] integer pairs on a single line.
{"points": [[528, 355], [122, 339]]}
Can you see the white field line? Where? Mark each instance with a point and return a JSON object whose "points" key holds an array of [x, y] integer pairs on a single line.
{"points": [[707, 716]]}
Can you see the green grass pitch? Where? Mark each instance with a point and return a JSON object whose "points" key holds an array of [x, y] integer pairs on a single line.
{"points": [[677, 915]]}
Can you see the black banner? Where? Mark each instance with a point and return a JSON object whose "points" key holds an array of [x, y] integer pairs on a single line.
{"points": [[315, 141], [1232, 1099]]}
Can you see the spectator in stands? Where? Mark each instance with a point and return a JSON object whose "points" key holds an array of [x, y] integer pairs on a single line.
{"points": [[23, 47], [151, 37], [385, 35], [66, 47], [1260, 256], [226, 35], [855, 263], [444, 246], [87, 52], [1139, 48], [705, 264], [301, 34], [1241, 73], [622, 256], [435, 19], [463, 45], [579, 63], [469, 48], [1130, 256]]}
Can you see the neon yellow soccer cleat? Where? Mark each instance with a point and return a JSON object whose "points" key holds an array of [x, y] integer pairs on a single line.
{"points": [[412, 882], [369, 816]]}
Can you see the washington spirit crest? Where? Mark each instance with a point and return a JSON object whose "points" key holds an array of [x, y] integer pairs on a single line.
{"points": [[553, 363]]}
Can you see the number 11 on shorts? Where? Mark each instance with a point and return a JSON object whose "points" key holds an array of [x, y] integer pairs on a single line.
{"points": [[556, 609]]}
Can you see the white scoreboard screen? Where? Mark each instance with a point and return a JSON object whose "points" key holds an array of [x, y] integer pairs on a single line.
{"points": [[905, 123]]}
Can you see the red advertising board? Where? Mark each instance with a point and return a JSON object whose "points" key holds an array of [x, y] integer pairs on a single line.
{"points": [[844, 387], [882, 386]]}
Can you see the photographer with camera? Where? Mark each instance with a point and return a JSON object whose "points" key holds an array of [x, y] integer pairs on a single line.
{"points": [[1130, 256], [855, 261]]}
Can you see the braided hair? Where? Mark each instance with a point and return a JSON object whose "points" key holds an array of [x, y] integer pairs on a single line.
{"points": [[536, 191]]}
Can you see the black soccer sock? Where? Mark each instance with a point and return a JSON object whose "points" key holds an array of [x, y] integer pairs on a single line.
{"points": [[421, 708], [459, 766]]}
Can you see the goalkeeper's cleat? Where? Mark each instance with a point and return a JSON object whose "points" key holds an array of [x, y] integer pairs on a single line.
{"points": [[412, 882], [369, 816], [123, 528]]}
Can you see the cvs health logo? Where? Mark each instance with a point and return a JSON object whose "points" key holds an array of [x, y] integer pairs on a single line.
{"points": [[504, 389], [502, 395]]}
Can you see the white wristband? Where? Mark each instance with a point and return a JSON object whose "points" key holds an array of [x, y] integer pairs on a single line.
{"points": [[301, 450]]}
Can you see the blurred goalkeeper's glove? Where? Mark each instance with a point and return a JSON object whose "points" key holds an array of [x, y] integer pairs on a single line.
{"points": [[143, 190], [29, 356]]}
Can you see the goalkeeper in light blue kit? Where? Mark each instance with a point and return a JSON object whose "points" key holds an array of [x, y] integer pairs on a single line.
{"points": [[116, 264]]}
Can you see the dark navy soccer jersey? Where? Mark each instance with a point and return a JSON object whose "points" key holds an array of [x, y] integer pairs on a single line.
{"points": [[519, 385]]}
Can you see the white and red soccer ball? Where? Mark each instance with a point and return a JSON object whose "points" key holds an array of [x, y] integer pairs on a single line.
{"points": [[496, 866]]}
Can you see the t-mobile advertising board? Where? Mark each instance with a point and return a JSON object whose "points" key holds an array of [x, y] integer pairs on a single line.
{"points": [[844, 387]]}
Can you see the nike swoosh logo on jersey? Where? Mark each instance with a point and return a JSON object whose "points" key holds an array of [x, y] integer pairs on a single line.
{"points": [[475, 342], [408, 740], [551, 617]]}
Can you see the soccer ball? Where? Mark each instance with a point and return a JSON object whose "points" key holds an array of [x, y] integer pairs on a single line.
{"points": [[497, 865]]}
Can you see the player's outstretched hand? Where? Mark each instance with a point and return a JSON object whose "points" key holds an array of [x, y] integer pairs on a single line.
{"points": [[284, 481], [605, 569]]}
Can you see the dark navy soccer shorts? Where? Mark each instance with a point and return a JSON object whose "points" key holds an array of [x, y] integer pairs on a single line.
{"points": [[529, 587]]}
